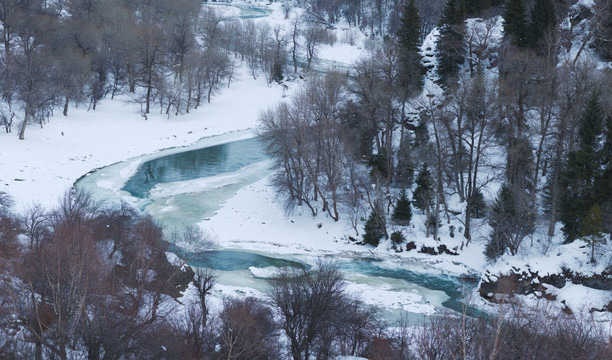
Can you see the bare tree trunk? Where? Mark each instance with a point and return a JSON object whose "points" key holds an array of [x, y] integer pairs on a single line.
{"points": [[26, 117], [148, 97], [468, 222], [555, 194], [66, 107], [437, 216]]}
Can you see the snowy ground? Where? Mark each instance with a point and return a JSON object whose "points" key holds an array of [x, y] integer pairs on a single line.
{"points": [[45, 165], [42, 167]]}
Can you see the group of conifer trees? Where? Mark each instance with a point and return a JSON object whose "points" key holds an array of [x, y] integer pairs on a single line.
{"points": [[520, 97]]}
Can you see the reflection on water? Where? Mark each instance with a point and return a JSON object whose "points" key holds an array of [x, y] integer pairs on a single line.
{"points": [[452, 286], [253, 12], [365, 271], [246, 11], [184, 188], [232, 260], [194, 164]]}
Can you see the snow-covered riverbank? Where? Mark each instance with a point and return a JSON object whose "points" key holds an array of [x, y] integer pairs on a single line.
{"points": [[45, 165]]}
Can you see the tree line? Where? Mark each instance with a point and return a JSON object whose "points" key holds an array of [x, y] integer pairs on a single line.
{"points": [[172, 56], [513, 111], [87, 280]]}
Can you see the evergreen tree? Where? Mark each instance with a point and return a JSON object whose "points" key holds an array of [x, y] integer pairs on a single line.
{"points": [[582, 170], [373, 229], [478, 205], [409, 33], [603, 30], [423, 197], [453, 13], [515, 21], [591, 228], [474, 8], [450, 47], [380, 165], [409, 39], [424, 193], [542, 24], [421, 133], [520, 168], [402, 213], [512, 216], [520, 165], [404, 170], [501, 213]]}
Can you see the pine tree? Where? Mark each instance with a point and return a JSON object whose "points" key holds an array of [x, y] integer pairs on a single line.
{"points": [[603, 182], [520, 168], [409, 39], [402, 213], [519, 173], [372, 230], [424, 193], [409, 33], [478, 205], [512, 216], [404, 170], [603, 31], [453, 13], [542, 24], [591, 228], [474, 8], [423, 196], [450, 47], [501, 213], [582, 170], [515, 21]]}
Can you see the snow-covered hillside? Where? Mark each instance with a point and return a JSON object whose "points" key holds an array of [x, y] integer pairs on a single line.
{"points": [[45, 165]]}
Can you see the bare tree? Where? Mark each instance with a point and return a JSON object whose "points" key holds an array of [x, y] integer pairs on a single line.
{"points": [[308, 302], [33, 81], [307, 141], [378, 87], [468, 134], [204, 280], [295, 32], [313, 35], [59, 275], [248, 331]]}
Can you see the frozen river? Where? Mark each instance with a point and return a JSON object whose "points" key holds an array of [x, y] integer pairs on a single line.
{"points": [[182, 187]]}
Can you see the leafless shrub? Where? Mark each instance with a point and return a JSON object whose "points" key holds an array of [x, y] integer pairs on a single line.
{"points": [[9, 228], [318, 316], [204, 280], [248, 331], [514, 332]]}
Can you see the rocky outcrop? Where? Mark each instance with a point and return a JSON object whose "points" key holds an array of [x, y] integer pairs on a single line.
{"points": [[516, 282], [527, 282], [441, 249]]}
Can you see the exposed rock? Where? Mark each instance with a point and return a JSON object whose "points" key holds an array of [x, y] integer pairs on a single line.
{"points": [[411, 246], [527, 282], [601, 281], [441, 249]]}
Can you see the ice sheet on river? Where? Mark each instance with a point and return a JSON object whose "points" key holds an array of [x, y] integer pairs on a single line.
{"points": [[169, 189]]}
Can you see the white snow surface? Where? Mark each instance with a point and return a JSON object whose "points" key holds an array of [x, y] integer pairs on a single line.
{"points": [[42, 167], [46, 164]]}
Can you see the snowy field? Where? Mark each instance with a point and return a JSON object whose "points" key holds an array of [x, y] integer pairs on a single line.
{"points": [[39, 169]]}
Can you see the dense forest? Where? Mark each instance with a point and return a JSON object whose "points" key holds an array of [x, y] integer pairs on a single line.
{"points": [[175, 55], [523, 111], [449, 101]]}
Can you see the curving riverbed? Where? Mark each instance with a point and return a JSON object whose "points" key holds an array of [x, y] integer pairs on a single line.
{"points": [[182, 187]]}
